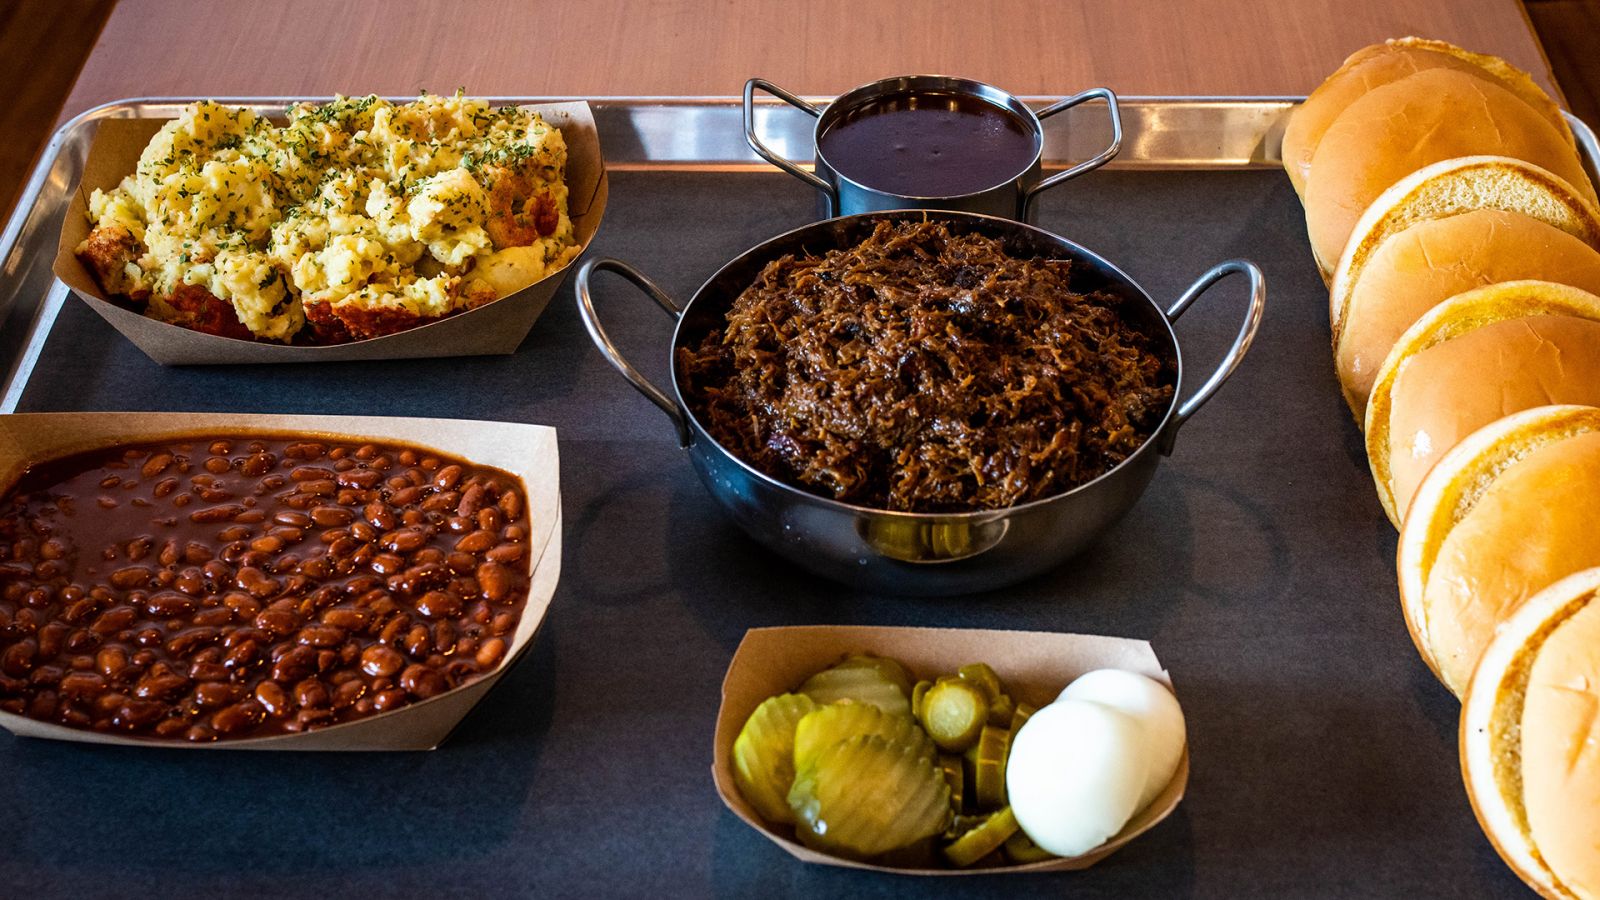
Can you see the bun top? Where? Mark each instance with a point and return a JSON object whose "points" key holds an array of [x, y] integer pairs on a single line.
{"points": [[1452, 389], [1532, 526], [1416, 269], [1381, 64], [1561, 751], [1396, 129]]}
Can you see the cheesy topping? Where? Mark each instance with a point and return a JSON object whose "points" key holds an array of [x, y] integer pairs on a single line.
{"points": [[425, 208]]}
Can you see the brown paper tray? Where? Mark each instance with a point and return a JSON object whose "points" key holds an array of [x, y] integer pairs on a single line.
{"points": [[494, 328], [1035, 666], [527, 451]]}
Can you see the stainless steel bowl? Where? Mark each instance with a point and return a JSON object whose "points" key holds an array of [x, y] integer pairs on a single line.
{"points": [[839, 195], [922, 553]]}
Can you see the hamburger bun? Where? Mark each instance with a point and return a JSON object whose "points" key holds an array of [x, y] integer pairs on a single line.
{"points": [[1448, 228], [1477, 357], [1381, 64], [1508, 512], [1530, 743], [1396, 129]]}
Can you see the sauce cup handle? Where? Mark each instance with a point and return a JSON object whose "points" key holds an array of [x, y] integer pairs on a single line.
{"points": [[591, 322], [766, 153], [1241, 343], [1089, 164]]}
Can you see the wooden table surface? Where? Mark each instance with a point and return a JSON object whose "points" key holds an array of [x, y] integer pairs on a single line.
{"points": [[709, 47]]}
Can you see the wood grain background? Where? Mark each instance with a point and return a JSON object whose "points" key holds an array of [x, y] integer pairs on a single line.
{"points": [[709, 47]]}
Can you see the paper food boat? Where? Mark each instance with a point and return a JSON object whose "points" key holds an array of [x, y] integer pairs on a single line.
{"points": [[494, 328], [1034, 665], [527, 451]]}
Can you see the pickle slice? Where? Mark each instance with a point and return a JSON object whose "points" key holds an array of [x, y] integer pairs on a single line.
{"points": [[825, 726], [1021, 849], [1023, 713], [1001, 711], [867, 796], [763, 755], [982, 840], [954, 711], [917, 694], [988, 758], [865, 680], [955, 776], [980, 674], [890, 669]]}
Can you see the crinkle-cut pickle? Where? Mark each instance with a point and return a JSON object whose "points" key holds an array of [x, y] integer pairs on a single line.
{"points": [[983, 676], [864, 682], [988, 758], [919, 692], [1021, 849], [867, 796], [983, 840], [763, 755], [955, 776], [825, 726], [1023, 713], [954, 711]]}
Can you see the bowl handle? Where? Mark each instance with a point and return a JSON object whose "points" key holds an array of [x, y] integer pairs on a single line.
{"points": [[591, 322], [1093, 162], [1241, 343], [767, 153]]}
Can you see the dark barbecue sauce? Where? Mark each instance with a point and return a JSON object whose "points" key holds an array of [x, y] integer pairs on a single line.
{"points": [[928, 144]]}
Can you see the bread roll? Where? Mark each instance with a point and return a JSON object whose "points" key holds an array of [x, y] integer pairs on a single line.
{"points": [[1449, 228], [1530, 740], [1477, 357], [1396, 129], [1508, 512], [1382, 64]]}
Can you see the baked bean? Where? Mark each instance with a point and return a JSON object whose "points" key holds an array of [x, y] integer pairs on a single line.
{"points": [[387, 563], [502, 623], [296, 664], [155, 465], [348, 692], [380, 661], [321, 636], [258, 464], [490, 652], [272, 698], [83, 685], [422, 681], [18, 658], [110, 661], [208, 671], [216, 616], [511, 504], [159, 684], [170, 727], [439, 605], [507, 553], [311, 473], [472, 500], [477, 542], [444, 636], [495, 581], [418, 642], [312, 694], [363, 479], [515, 533], [137, 715], [170, 606], [216, 465], [237, 718]]}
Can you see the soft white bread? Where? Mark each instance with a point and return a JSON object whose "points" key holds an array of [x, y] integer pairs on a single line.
{"points": [[1530, 740], [1381, 64], [1448, 228], [1475, 358], [1396, 129], [1512, 509]]}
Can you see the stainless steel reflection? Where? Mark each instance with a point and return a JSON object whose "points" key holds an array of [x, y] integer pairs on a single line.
{"points": [[840, 195], [921, 553]]}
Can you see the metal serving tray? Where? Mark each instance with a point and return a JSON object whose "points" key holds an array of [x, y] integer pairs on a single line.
{"points": [[642, 133]]}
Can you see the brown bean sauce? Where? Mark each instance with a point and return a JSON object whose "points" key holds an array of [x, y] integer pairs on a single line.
{"points": [[230, 587], [929, 144]]}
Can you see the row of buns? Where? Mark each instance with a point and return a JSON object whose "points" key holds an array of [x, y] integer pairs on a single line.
{"points": [[1449, 210]]}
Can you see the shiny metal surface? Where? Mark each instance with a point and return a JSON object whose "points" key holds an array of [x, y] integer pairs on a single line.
{"points": [[923, 553], [646, 133], [840, 195]]}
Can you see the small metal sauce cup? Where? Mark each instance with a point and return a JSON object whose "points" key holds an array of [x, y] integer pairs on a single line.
{"points": [[1012, 198]]}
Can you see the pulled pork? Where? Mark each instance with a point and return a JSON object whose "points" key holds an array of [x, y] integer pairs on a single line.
{"points": [[926, 371]]}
